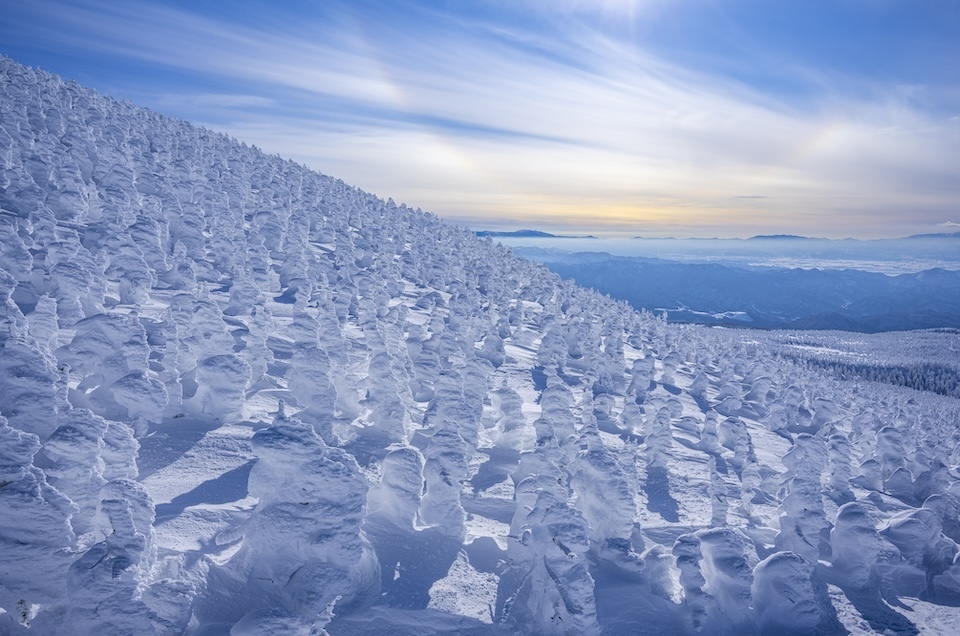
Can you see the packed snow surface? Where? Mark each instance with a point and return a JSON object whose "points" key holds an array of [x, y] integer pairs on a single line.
{"points": [[240, 397]]}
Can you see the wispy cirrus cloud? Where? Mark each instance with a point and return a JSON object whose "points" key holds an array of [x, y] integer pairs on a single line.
{"points": [[547, 116]]}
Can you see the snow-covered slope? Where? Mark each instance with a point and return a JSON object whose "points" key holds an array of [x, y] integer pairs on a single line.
{"points": [[237, 396]]}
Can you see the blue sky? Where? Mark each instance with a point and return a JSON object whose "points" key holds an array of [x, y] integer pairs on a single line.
{"points": [[654, 117]]}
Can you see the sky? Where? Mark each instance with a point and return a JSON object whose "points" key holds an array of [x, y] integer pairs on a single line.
{"points": [[687, 118]]}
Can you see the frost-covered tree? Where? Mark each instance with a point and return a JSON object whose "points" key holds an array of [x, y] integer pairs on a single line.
{"points": [[104, 587], [34, 564], [548, 588], [604, 495], [303, 546], [802, 516], [787, 599]]}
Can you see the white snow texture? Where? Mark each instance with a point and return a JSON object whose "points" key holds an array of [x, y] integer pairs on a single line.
{"points": [[241, 397]]}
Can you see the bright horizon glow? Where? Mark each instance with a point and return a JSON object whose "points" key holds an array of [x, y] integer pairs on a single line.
{"points": [[615, 118]]}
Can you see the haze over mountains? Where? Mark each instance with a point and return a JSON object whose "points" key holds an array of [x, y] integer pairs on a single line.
{"points": [[767, 281], [766, 297], [889, 256], [241, 397], [759, 237], [529, 234]]}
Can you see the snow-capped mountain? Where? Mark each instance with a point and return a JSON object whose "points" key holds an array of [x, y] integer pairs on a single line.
{"points": [[238, 396]]}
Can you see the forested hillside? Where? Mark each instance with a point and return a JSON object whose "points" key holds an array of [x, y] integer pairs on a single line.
{"points": [[238, 396]]}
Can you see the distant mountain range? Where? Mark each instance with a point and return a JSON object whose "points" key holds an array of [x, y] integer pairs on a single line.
{"points": [[766, 297], [527, 234], [796, 237], [940, 235], [780, 237], [759, 237]]}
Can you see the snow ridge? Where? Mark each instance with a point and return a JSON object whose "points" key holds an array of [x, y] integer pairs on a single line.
{"points": [[238, 396]]}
